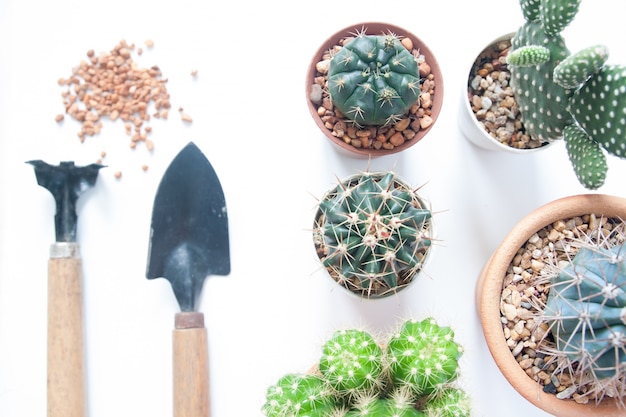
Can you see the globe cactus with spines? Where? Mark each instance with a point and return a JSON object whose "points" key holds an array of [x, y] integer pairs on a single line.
{"points": [[374, 232], [450, 402], [355, 377], [299, 395], [352, 362], [398, 404], [586, 314], [374, 79], [423, 356]]}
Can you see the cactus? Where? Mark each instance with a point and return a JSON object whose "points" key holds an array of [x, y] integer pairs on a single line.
{"points": [[398, 404], [296, 395], [352, 362], [423, 356], [374, 79], [572, 97], [542, 102], [598, 106], [372, 233], [367, 387], [586, 313], [450, 402]]}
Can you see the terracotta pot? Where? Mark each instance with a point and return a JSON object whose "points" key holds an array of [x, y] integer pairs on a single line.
{"points": [[405, 276], [374, 28], [489, 289], [471, 128]]}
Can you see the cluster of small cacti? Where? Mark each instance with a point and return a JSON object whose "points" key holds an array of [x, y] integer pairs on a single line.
{"points": [[413, 374], [374, 79], [372, 233], [577, 97], [586, 314]]}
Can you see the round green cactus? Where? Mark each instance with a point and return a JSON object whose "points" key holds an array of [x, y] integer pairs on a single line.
{"points": [[296, 395], [398, 404], [423, 356], [374, 79], [451, 402], [373, 233], [352, 361], [586, 312]]}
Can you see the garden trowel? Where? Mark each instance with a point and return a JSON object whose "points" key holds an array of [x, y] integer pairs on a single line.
{"points": [[189, 241], [66, 393]]}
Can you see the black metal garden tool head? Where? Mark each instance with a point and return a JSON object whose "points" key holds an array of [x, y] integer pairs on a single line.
{"points": [[66, 182], [189, 230]]}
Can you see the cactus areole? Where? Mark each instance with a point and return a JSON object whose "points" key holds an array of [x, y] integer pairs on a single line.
{"points": [[374, 79], [371, 233], [587, 311]]}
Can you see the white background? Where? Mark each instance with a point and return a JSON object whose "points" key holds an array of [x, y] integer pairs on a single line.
{"points": [[272, 313]]}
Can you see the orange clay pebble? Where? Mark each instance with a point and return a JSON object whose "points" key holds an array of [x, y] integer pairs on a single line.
{"points": [[144, 168], [118, 174], [59, 118]]}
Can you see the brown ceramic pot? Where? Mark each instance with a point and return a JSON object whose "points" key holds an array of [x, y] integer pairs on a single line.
{"points": [[489, 288], [374, 28]]}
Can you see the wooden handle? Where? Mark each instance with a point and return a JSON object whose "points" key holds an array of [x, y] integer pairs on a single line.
{"points": [[191, 371], [66, 369]]}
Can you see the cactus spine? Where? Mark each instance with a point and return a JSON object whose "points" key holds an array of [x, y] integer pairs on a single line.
{"points": [[352, 361], [586, 311], [372, 233], [374, 79], [358, 377], [423, 356]]}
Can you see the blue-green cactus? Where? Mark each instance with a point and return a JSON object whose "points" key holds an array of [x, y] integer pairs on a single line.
{"points": [[586, 312], [296, 395], [372, 233], [352, 362], [423, 356], [374, 79]]}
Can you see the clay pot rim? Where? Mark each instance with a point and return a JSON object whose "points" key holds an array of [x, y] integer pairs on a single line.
{"points": [[376, 28], [489, 287]]}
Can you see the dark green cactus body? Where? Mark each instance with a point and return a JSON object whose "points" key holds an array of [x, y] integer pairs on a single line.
{"points": [[530, 9], [298, 395], [423, 356], [587, 308], [375, 230], [542, 102], [374, 79], [352, 361], [450, 402]]}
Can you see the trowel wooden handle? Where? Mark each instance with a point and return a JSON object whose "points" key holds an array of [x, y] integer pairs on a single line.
{"points": [[66, 369], [191, 372]]}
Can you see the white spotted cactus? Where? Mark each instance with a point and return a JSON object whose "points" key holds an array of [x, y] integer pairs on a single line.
{"points": [[577, 97], [358, 376], [586, 313], [598, 107]]}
